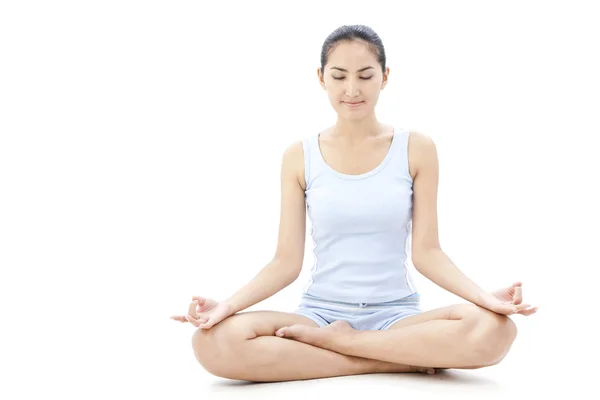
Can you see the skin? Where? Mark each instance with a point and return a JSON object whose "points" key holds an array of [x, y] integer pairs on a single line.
{"points": [[259, 345]]}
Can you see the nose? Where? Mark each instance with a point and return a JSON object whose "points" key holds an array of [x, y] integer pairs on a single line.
{"points": [[352, 90]]}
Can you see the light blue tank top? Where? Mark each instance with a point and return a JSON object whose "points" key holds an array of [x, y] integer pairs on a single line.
{"points": [[361, 226]]}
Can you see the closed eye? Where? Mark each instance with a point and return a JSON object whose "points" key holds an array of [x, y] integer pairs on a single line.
{"points": [[339, 79]]}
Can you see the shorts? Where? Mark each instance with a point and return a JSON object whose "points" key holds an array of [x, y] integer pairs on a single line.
{"points": [[361, 316]]}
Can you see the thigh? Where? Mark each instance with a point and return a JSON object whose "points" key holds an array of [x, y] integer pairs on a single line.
{"points": [[251, 324], [455, 311], [227, 340]]}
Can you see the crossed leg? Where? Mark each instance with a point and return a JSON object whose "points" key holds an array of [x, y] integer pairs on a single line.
{"points": [[244, 347], [458, 336]]}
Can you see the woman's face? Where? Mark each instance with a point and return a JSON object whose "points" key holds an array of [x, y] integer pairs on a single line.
{"points": [[353, 75]]}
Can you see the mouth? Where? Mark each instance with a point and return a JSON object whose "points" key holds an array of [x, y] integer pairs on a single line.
{"points": [[354, 104]]}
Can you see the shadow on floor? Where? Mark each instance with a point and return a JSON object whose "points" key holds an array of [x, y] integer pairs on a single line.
{"points": [[445, 379]]}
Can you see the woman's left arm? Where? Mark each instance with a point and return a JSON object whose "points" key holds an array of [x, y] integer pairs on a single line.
{"points": [[427, 256]]}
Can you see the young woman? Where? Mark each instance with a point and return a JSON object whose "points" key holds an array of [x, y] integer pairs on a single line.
{"points": [[370, 191]]}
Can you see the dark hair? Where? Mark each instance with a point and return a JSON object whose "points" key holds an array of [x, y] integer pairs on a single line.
{"points": [[354, 32]]}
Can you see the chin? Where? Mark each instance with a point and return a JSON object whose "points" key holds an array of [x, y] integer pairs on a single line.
{"points": [[353, 114]]}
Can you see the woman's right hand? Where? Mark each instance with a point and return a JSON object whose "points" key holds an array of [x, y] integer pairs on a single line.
{"points": [[204, 313]]}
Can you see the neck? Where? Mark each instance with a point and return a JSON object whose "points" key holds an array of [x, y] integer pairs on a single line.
{"points": [[357, 130]]}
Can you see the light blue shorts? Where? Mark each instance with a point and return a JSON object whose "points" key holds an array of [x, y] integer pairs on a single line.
{"points": [[361, 316]]}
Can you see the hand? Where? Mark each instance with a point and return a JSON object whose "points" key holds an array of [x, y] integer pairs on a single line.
{"points": [[204, 313], [507, 301]]}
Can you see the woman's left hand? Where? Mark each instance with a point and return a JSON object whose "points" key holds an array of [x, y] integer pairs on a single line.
{"points": [[507, 301]]}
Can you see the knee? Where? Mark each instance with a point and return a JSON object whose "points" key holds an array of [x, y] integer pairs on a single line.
{"points": [[206, 350], [490, 334], [216, 348]]}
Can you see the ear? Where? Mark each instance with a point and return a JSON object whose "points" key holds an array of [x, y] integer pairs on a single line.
{"points": [[321, 78], [385, 78]]}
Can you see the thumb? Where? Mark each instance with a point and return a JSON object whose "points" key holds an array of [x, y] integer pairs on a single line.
{"points": [[509, 309], [504, 308], [207, 324]]}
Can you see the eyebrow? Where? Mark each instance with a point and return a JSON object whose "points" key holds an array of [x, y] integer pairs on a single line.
{"points": [[345, 70]]}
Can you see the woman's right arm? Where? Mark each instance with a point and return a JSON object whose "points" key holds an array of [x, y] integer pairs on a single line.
{"points": [[286, 264]]}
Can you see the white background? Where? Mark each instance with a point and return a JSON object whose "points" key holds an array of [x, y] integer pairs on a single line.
{"points": [[140, 154]]}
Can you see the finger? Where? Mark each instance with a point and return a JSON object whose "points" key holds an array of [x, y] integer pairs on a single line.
{"points": [[505, 309], [192, 309], [180, 318], [192, 320], [201, 300], [203, 316], [522, 306], [518, 295], [514, 309], [512, 287], [207, 324], [203, 303], [529, 311], [196, 320]]}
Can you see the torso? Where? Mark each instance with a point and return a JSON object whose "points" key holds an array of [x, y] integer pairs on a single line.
{"points": [[358, 195]]}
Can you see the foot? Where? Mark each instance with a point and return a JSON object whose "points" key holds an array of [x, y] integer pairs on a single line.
{"points": [[328, 336], [325, 337], [423, 370]]}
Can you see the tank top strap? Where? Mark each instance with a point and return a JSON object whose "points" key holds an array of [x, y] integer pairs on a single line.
{"points": [[312, 158], [400, 157]]}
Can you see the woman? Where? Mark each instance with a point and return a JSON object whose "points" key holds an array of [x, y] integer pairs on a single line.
{"points": [[371, 193]]}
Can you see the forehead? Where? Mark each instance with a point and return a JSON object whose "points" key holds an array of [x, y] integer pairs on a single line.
{"points": [[351, 56]]}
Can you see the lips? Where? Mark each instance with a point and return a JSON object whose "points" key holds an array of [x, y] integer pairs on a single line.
{"points": [[353, 104]]}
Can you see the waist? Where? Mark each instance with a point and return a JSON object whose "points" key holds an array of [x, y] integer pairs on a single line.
{"points": [[413, 298]]}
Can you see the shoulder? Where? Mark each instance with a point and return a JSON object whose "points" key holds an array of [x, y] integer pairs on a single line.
{"points": [[293, 155], [422, 151], [294, 150], [420, 141], [292, 162]]}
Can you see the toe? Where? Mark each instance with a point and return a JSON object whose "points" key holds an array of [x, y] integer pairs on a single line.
{"points": [[281, 332], [301, 333], [425, 370], [294, 331], [297, 331]]}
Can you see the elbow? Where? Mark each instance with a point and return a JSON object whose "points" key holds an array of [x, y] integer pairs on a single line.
{"points": [[421, 257], [418, 263], [289, 268], [291, 277]]}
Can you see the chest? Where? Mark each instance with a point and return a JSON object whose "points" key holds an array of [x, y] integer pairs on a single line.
{"points": [[356, 206], [354, 159]]}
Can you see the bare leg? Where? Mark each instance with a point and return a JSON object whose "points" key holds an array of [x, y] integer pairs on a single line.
{"points": [[460, 336], [244, 347]]}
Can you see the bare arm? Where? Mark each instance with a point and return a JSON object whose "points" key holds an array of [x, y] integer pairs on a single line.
{"points": [[286, 264], [428, 257]]}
